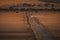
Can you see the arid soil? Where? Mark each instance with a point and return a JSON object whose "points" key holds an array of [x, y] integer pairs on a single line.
{"points": [[51, 22], [13, 2], [13, 26], [16, 22]]}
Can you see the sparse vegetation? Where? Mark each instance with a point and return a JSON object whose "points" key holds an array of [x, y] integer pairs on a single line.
{"points": [[30, 7]]}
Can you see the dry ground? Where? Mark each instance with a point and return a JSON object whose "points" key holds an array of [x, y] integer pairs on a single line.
{"points": [[16, 22], [51, 22]]}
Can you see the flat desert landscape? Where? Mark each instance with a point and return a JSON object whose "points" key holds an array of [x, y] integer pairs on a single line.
{"points": [[16, 22], [17, 25]]}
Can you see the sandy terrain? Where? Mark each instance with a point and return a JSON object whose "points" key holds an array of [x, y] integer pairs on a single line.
{"points": [[13, 26], [13, 2], [51, 22], [16, 22], [48, 18], [13, 22]]}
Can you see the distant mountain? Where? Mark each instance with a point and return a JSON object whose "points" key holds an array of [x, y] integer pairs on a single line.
{"points": [[51, 1]]}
